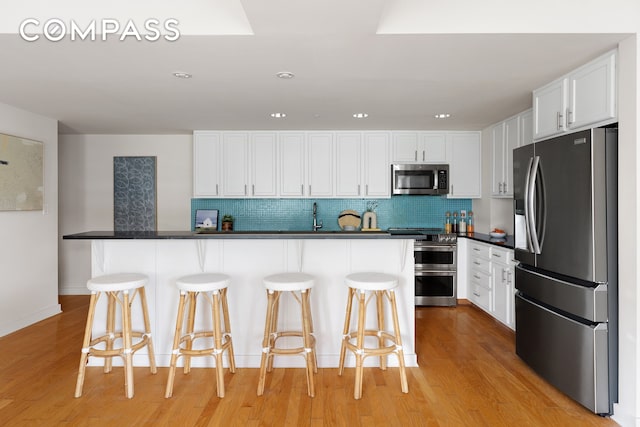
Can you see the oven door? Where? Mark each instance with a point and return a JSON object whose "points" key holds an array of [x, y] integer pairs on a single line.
{"points": [[429, 256], [435, 287]]}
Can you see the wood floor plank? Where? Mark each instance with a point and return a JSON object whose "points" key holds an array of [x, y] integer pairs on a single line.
{"points": [[469, 375]]}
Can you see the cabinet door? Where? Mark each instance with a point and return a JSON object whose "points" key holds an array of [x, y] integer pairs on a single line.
{"points": [[264, 165], [291, 147], [377, 168], [592, 90], [498, 152], [235, 161], [206, 164], [320, 164], [464, 157], [433, 147], [405, 147], [549, 107], [526, 128], [511, 142], [349, 164], [499, 280]]}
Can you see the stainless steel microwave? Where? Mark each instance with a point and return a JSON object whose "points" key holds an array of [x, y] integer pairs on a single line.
{"points": [[420, 179]]}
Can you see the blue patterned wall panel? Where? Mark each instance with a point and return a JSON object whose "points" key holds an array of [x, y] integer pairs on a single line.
{"points": [[134, 193], [296, 214]]}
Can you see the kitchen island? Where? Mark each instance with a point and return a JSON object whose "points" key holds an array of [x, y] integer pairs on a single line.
{"points": [[247, 257]]}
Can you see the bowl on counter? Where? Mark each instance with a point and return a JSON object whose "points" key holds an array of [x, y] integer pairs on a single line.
{"points": [[349, 228], [496, 235]]}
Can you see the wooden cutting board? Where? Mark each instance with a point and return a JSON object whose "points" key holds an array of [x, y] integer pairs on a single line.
{"points": [[349, 217]]}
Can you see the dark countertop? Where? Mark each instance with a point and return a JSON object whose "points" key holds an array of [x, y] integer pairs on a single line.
{"points": [[284, 234], [508, 242]]}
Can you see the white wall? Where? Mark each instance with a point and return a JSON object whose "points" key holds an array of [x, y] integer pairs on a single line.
{"points": [[86, 191], [29, 249]]}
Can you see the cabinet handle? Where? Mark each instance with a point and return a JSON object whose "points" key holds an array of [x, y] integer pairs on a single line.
{"points": [[497, 255], [216, 189], [569, 117], [253, 189], [366, 189], [302, 189], [423, 155], [245, 189], [476, 262], [309, 189], [415, 155], [559, 119], [499, 188], [358, 189], [504, 187], [504, 278], [476, 294], [477, 276], [476, 249]]}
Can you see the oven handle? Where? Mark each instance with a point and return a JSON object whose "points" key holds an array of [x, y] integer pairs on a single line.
{"points": [[423, 273], [434, 248]]}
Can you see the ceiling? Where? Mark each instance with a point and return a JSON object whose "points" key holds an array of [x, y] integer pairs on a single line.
{"points": [[341, 66]]}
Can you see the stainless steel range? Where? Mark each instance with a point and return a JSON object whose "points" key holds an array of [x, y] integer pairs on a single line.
{"points": [[435, 266]]}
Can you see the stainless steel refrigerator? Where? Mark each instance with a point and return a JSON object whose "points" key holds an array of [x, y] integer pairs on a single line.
{"points": [[565, 213]]}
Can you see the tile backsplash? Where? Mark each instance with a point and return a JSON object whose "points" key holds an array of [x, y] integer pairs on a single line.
{"points": [[297, 214]]}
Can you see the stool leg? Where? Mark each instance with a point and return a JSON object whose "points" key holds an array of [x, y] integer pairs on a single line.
{"points": [[227, 330], [345, 331], [111, 325], [398, 340], [126, 334], [192, 297], [176, 345], [309, 345], [147, 330], [266, 341], [273, 328], [380, 309], [86, 342], [217, 339], [362, 308]]}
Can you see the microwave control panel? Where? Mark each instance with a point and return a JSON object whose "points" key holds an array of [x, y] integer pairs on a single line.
{"points": [[442, 180]]}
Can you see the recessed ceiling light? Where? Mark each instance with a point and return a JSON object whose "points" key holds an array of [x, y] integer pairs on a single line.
{"points": [[181, 75], [278, 115], [285, 75], [361, 115], [442, 116]]}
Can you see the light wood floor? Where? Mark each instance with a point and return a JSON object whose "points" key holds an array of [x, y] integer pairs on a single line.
{"points": [[468, 376]]}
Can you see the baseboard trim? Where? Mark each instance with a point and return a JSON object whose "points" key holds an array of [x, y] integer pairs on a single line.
{"points": [[10, 327]]}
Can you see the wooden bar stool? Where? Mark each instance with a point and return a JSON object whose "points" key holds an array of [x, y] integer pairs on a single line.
{"points": [[117, 287], [381, 286], [213, 288], [299, 285]]}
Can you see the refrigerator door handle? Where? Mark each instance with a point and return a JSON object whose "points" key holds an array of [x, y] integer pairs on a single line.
{"points": [[527, 208], [530, 206]]}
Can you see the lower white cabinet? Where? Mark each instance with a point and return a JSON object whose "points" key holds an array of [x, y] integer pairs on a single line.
{"points": [[490, 275]]}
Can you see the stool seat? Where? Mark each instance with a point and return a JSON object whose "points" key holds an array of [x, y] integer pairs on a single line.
{"points": [[370, 281], [203, 282], [287, 282], [117, 282]]}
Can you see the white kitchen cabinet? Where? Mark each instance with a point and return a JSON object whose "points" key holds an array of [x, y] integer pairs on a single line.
{"points": [[491, 280], [320, 164], [207, 149], [584, 97], [526, 127], [292, 168], [464, 158], [235, 164], [376, 165], [419, 147], [264, 164], [348, 164], [506, 138]]}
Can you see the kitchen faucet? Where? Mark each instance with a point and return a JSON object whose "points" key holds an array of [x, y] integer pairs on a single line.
{"points": [[316, 226]]}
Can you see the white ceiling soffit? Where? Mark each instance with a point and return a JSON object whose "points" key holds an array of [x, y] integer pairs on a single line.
{"points": [[539, 16], [195, 17]]}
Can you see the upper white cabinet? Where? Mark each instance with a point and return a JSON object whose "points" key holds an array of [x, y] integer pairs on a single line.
{"points": [[464, 158], [585, 97], [235, 164], [206, 164], [320, 164], [292, 169], [264, 164], [505, 137], [376, 165], [362, 164], [419, 147]]}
